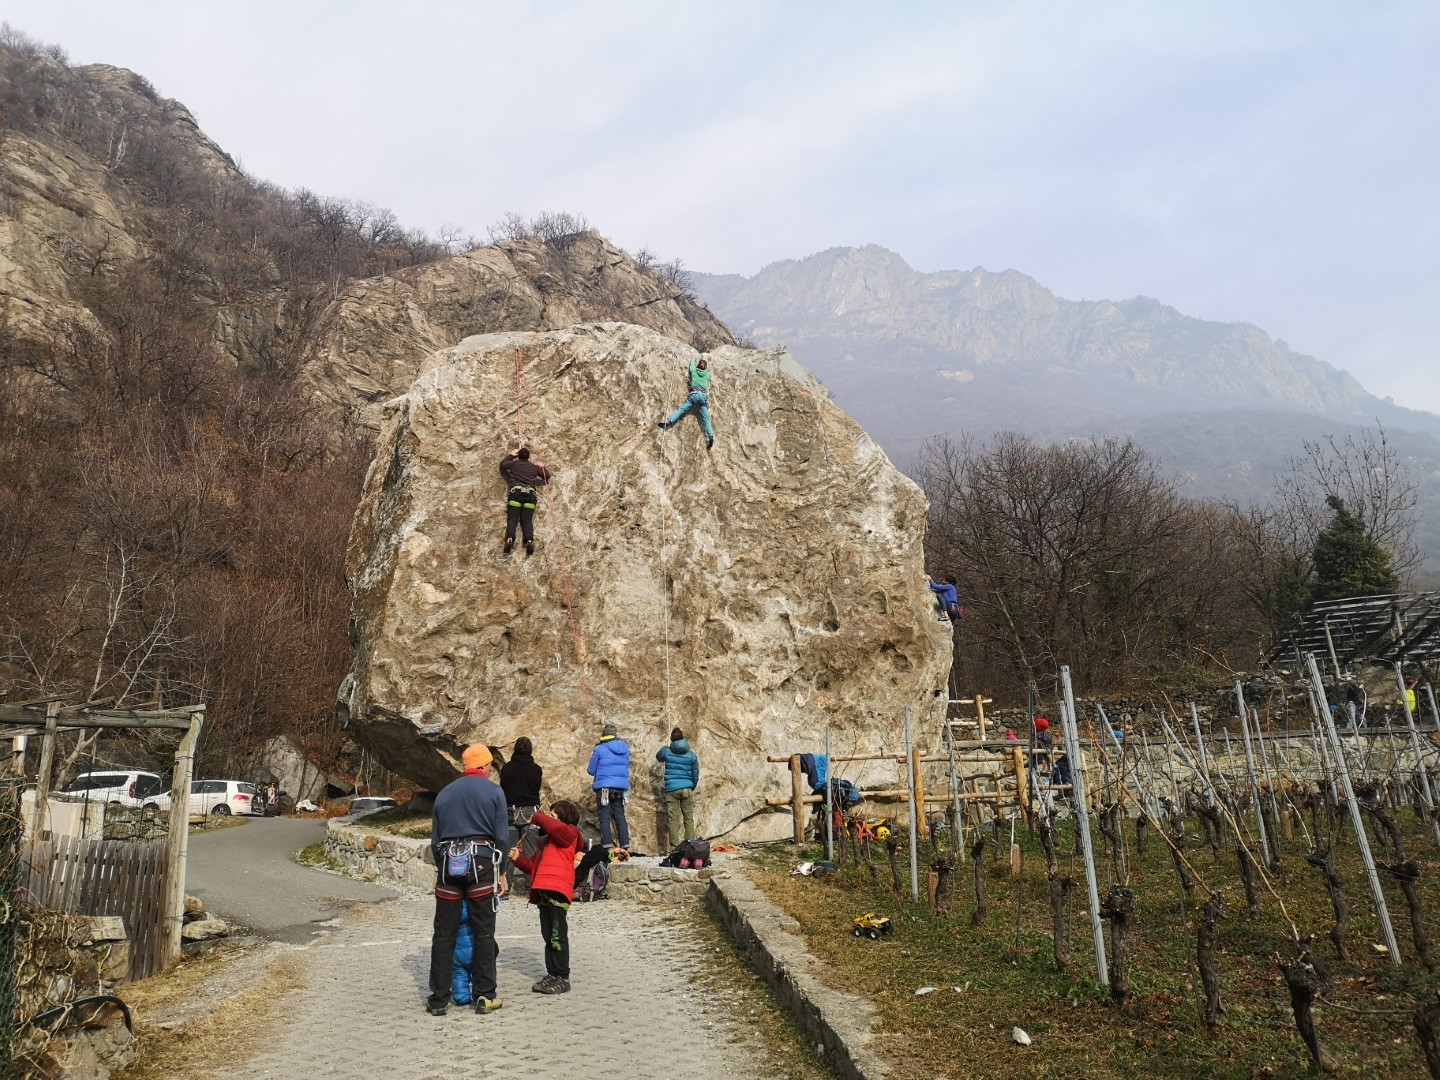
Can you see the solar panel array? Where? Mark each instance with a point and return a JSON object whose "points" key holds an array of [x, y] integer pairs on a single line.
{"points": [[1399, 626]]}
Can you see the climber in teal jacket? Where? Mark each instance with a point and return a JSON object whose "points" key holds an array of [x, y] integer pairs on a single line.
{"points": [[682, 776], [698, 401]]}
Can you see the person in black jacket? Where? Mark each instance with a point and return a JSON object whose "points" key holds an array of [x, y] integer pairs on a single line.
{"points": [[466, 831], [523, 478], [520, 779]]}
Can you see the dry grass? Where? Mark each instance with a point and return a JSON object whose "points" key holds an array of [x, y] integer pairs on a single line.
{"points": [[220, 1039], [1006, 974], [731, 985]]}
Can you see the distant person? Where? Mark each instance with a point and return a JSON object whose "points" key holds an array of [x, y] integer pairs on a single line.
{"points": [[524, 478], [1354, 703], [682, 776], [552, 887], [1044, 745], [465, 839], [947, 596], [520, 779], [1410, 699], [610, 768], [698, 401]]}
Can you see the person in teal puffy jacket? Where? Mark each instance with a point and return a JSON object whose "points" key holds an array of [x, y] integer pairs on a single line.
{"points": [[682, 776]]}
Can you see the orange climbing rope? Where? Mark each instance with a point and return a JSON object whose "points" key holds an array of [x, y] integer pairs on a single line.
{"points": [[522, 437]]}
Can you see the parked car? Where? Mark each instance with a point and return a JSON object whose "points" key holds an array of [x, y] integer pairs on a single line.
{"points": [[119, 787], [225, 797], [369, 804]]}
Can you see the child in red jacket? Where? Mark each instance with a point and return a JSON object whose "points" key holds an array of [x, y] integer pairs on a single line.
{"points": [[552, 887]]}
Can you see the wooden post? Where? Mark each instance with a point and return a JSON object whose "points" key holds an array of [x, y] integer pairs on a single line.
{"points": [[177, 842], [1022, 782], [47, 765], [797, 796], [915, 762], [912, 768], [980, 714]]}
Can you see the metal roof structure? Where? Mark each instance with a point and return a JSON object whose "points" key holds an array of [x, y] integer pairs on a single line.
{"points": [[1362, 629]]}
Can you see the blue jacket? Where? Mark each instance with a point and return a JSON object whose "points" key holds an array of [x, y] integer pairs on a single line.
{"points": [[610, 764], [948, 593], [682, 767]]}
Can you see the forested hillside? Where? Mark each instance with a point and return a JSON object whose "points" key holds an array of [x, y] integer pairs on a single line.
{"points": [[189, 361]]}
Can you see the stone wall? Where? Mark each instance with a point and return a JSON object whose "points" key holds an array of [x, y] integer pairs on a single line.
{"points": [[377, 856], [397, 860]]}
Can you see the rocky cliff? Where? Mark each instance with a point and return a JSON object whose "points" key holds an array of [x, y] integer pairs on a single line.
{"points": [[750, 595]]}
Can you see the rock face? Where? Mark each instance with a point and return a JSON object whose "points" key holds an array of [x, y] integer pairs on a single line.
{"points": [[750, 595]]}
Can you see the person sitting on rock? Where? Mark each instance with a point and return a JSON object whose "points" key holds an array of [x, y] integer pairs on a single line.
{"points": [[523, 478], [698, 401]]}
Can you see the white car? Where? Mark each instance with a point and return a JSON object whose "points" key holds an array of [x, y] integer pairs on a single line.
{"points": [[225, 797], [119, 787]]}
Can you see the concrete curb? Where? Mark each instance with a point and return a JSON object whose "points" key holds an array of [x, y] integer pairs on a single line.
{"points": [[842, 1024]]}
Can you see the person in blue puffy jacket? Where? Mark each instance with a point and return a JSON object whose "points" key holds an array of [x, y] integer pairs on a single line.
{"points": [[464, 950], [610, 767], [682, 776]]}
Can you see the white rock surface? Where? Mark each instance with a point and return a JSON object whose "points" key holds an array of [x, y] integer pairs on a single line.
{"points": [[751, 595]]}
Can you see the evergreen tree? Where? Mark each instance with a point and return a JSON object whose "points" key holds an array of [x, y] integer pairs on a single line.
{"points": [[1349, 561]]}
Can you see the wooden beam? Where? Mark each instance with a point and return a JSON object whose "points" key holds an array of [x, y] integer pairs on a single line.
{"points": [[798, 799], [47, 766], [177, 841]]}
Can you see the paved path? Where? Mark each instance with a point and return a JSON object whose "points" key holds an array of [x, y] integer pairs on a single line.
{"points": [[248, 874], [362, 1013]]}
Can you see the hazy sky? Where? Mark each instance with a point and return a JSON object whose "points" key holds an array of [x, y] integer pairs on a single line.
{"points": [[1274, 163]]}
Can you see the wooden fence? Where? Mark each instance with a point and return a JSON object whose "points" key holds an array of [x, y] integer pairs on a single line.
{"points": [[105, 877]]}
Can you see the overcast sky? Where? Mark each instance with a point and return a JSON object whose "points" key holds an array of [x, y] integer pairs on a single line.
{"points": [[1273, 163]]}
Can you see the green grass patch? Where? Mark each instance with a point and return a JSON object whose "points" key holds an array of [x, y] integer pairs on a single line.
{"points": [[1001, 974], [314, 855]]}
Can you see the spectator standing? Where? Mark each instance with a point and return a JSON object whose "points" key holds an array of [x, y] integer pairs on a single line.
{"points": [[610, 768], [682, 776], [520, 779], [466, 827]]}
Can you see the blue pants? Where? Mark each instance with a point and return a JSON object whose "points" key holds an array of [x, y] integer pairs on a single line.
{"points": [[696, 401]]}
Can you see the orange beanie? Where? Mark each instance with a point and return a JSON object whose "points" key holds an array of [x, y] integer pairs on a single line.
{"points": [[476, 757]]}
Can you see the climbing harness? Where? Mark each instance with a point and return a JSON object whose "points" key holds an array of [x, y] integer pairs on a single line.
{"points": [[521, 497], [462, 861]]}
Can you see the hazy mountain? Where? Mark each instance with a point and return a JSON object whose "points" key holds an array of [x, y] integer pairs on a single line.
{"points": [[912, 355]]}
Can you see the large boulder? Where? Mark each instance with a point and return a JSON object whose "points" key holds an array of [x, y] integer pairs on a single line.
{"points": [[752, 594], [283, 761]]}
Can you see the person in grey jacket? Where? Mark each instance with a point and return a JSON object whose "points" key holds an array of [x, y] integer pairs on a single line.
{"points": [[470, 823], [682, 776]]}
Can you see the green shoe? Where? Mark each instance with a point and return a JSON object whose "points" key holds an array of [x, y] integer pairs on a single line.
{"points": [[487, 1005]]}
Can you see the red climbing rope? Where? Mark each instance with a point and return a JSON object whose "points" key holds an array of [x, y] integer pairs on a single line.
{"points": [[521, 395]]}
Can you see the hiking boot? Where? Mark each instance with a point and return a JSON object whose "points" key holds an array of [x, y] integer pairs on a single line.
{"points": [[509, 545], [487, 1005], [663, 426], [709, 442], [552, 984], [529, 548], [437, 1009]]}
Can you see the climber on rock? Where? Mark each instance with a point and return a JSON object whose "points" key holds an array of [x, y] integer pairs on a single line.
{"points": [[698, 401], [523, 479]]}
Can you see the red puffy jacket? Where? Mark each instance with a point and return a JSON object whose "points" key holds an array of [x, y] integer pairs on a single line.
{"points": [[556, 870]]}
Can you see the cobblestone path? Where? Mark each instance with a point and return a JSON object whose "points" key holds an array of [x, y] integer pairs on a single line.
{"points": [[633, 1012]]}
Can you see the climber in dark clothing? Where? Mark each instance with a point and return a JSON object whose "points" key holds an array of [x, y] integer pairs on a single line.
{"points": [[523, 478], [698, 401]]}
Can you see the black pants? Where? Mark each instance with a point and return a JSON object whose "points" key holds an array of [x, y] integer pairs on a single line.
{"points": [[442, 947], [555, 932], [524, 516]]}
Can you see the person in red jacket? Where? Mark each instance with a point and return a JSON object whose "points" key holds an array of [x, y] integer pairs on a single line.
{"points": [[552, 887]]}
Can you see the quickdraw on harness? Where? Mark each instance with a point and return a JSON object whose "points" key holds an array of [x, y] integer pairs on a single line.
{"points": [[461, 862], [521, 497]]}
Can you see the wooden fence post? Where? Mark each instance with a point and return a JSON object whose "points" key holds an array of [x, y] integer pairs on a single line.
{"points": [[797, 795], [177, 843], [47, 766]]}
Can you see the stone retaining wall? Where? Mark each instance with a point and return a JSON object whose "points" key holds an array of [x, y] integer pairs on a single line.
{"points": [[372, 855], [377, 856]]}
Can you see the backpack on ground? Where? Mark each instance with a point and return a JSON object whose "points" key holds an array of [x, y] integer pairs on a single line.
{"points": [[592, 875], [689, 855]]}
